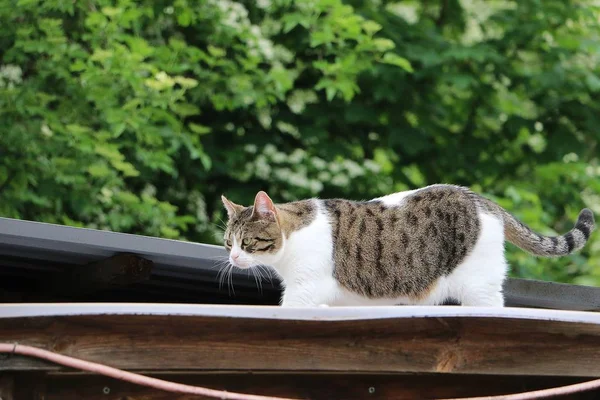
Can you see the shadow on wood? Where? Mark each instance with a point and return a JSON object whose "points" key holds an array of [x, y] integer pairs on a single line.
{"points": [[299, 386]]}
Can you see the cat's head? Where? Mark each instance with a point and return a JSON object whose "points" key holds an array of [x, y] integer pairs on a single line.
{"points": [[253, 235]]}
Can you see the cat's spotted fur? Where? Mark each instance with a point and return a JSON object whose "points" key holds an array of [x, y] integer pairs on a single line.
{"points": [[416, 247]]}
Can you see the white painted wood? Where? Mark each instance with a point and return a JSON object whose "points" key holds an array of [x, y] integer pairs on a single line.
{"points": [[293, 313]]}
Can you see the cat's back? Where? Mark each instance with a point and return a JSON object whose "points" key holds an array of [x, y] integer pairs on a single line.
{"points": [[432, 205], [399, 244]]}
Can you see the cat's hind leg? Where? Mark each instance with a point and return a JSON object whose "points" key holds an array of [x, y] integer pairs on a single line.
{"points": [[478, 280], [490, 297]]}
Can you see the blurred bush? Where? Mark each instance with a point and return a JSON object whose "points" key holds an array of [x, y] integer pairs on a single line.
{"points": [[136, 116]]}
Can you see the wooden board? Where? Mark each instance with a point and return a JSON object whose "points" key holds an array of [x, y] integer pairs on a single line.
{"points": [[451, 343], [298, 386]]}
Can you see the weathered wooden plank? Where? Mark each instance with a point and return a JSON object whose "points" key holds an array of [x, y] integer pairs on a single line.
{"points": [[300, 386], [475, 345]]}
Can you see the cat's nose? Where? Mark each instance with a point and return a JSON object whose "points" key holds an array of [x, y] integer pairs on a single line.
{"points": [[235, 256]]}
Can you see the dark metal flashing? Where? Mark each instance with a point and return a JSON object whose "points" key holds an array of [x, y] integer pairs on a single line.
{"points": [[539, 294], [32, 253], [60, 243], [187, 272]]}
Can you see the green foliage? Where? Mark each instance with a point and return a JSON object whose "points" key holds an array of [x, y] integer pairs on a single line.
{"points": [[136, 116]]}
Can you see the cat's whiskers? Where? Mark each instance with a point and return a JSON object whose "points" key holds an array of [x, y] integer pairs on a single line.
{"points": [[263, 274], [257, 278], [222, 265], [231, 278], [222, 273], [219, 260], [270, 272], [252, 269], [221, 225]]}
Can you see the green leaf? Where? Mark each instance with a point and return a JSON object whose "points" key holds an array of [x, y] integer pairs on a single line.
{"points": [[186, 83], [205, 160], [78, 130], [216, 51], [126, 168], [382, 44], [185, 109], [111, 11], [593, 82], [101, 55], [110, 152], [199, 129], [185, 17], [371, 26], [330, 91], [78, 66], [394, 59], [99, 170]]}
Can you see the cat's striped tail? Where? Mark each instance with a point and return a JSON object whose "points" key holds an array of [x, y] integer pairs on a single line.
{"points": [[524, 237]]}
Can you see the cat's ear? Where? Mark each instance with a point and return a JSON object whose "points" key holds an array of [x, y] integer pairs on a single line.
{"points": [[264, 207], [231, 207]]}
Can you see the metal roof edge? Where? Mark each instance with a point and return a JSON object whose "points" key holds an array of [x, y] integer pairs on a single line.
{"points": [[93, 242]]}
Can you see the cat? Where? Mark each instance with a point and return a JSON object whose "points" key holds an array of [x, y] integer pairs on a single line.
{"points": [[418, 247]]}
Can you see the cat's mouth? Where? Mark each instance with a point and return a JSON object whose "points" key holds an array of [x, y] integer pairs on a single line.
{"points": [[241, 264]]}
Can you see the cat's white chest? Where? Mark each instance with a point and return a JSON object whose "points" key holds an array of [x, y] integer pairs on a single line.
{"points": [[307, 267]]}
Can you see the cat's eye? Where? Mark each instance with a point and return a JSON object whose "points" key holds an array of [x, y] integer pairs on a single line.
{"points": [[228, 243], [245, 242]]}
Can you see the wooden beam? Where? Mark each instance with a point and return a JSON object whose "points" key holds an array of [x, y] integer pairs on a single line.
{"points": [[7, 385], [299, 386], [458, 344], [120, 270]]}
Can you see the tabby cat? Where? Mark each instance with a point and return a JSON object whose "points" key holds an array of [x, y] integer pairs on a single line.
{"points": [[418, 247]]}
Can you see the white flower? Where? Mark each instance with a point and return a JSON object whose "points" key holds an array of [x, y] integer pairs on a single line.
{"points": [[162, 76], [570, 157], [46, 131], [255, 30], [12, 73], [262, 168], [250, 148], [266, 47], [372, 166], [297, 156], [353, 168], [278, 157], [263, 3], [264, 117], [236, 14], [318, 163]]}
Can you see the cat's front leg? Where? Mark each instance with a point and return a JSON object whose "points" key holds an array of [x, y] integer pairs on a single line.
{"points": [[295, 298], [310, 287], [303, 297]]}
